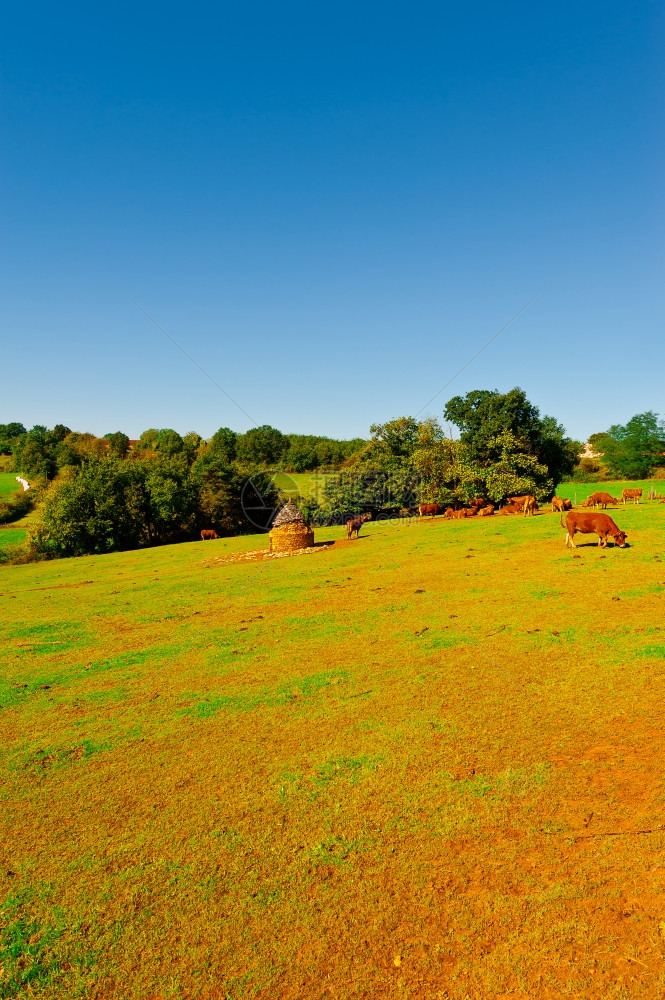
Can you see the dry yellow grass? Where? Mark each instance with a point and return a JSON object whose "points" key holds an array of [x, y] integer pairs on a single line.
{"points": [[421, 764]]}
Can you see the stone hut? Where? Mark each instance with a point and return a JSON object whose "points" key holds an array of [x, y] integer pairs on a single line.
{"points": [[289, 531]]}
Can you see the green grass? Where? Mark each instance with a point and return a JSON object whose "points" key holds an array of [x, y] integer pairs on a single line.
{"points": [[11, 535], [581, 491], [307, 484], [8, 485]]}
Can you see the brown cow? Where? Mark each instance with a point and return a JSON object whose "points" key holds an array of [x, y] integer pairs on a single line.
{"points": [[208, 533], [560, 504], [511, 508], [429, 509], [631, 495], [450, 513], [527, 503], [602, 499], [486, 511], [586, 503], [477, 502], [592, 524], [356, 524]]}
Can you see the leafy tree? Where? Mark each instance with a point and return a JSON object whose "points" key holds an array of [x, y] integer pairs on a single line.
{"points": [[148, 440], [33, 456], [118, 444], [9, 435], [91, 513], [482, 416], [633, 450], [262, 446], [57, 434], [450, 474], [172, 499], [110, 504], [169, 442], [191, 444], [393, 443], [356, 491], [12, 430], [220, 494], [223, 444]]}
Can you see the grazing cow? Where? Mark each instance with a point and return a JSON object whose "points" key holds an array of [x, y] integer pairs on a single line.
{"points": [[587, 503], [631, 495], [208, 533], [602, 499], [486, 511], [560, 504], [592, 524], [356, 524], [431, 509]]}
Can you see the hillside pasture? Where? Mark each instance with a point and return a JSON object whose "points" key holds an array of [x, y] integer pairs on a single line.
{"points": [[422, 764]]}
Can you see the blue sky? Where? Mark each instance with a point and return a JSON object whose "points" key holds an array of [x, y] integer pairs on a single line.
{"points": [[331, 207]]}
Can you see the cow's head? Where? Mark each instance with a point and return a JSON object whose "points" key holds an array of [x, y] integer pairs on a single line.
{"points": [[620, 539]]}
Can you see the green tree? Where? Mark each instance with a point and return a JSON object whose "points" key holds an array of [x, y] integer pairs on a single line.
{"points": [[169, 442], [261, 447], [9, 435], [482, 416], [191, 444], [393, 443], [223, 445], [91, 513], [148, 440], [633, 450], [118, 444], [220, 494]]}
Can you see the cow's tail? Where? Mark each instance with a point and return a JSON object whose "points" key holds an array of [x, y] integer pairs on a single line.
{"points": [[561, 520]]}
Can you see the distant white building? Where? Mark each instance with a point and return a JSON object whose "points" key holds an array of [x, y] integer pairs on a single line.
{"points": [[588, 452]]}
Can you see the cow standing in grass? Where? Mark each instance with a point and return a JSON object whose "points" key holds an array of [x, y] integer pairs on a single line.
{"points": [[356, 524], [559, 504], [207, 534], [633, 495]]}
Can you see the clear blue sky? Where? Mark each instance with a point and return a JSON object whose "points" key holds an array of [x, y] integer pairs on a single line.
{"points": [[331, 207]]}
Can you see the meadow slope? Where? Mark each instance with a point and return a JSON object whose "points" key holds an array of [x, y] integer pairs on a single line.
{"points": [[424, 764]]}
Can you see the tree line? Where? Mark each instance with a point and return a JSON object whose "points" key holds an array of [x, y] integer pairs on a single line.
{"points": [[46, 452]]}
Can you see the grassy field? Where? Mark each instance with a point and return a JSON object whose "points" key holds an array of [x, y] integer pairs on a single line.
{"points": [[11, 535], [8, 485], [306, 484], [423, 764]]}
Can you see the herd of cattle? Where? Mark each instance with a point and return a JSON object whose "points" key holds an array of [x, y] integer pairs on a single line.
{"points": [[601, 525], [584, 523]]}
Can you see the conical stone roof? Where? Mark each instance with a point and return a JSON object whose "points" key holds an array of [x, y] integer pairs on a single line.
{"points": [[289, 514]]}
